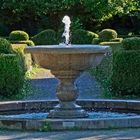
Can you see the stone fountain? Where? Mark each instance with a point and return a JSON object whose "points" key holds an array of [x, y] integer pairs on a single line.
{"points": [[66, 62]]}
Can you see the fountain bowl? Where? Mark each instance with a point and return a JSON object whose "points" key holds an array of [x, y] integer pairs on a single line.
{"points": [[67, 57]]}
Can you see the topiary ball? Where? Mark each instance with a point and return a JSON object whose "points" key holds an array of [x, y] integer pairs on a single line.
{"points": [[81, 36], [46, 37], [108, 34], [132, 43], [18, 36], [5, 46]]}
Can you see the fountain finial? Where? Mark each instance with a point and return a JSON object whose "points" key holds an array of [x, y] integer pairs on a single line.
{"points": [[66, 20]]}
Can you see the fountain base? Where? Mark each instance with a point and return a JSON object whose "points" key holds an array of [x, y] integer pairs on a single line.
{"points": [[67, 110]]}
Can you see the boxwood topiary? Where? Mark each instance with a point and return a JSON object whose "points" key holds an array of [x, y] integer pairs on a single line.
{"points": [[18, 36], [5, 46], [96, 40], [11, 75], [26, 60], [125, 78], [132, 43], [46, 37], [107, 34], [117, 40], [28, 42], [81, 36]]}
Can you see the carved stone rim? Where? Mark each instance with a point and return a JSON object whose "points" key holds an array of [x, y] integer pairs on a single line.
{"points": [[74, 49]]}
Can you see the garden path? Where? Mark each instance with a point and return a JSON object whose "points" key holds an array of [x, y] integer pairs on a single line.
{"points": [[123, 134]]}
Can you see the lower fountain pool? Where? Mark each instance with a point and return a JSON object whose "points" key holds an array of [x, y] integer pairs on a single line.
{"points": [[103, 114], [92, 115]]}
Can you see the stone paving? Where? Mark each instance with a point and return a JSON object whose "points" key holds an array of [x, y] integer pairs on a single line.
{"points": [[126, 134], [44, 86]]}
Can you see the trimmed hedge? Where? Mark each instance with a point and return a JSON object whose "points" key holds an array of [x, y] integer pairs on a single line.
{"points": [[18, 36], [117, 40], [96, 40], [108, 34], [11, 75], [25, 58], [5, 46], [114, 46], [28, 42], [46, 37], [81, 36], [125, 79], [132, 43]]}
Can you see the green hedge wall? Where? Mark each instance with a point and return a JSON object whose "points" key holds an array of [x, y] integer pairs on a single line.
{"points": [[5, 46], [132, 43], [11, 75], [125, 78]]}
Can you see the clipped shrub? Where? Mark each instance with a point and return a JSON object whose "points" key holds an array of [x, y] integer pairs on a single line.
{"points": [[11, 75], [18, 36], [81, 36], [28, 42], [46, 37], [96, 40], [107, 34], [125, 78], [5, 46], [117, 40], [25, 58], [132, 43], [114, 46]]}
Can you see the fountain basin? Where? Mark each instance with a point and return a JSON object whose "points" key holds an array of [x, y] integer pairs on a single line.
{"points": [[113, 106], [67, 58]]}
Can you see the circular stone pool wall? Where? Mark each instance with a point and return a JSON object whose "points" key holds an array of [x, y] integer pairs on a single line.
{"points": [[23, 107]]}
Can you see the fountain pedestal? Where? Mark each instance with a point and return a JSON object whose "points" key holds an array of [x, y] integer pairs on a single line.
{"points": [[67, 94]]}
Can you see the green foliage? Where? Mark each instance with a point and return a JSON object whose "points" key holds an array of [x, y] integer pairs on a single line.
{"points": [[46, 37], [103, 71], [48, 13], [76, 24], [3, 30], [117, 40], [96, 40], [27, 42], [114, 46], [125, 79], [83, 37], [11, 75], [132, 43], [5, 46], [26, 59], [18, 36], [107, 34]]}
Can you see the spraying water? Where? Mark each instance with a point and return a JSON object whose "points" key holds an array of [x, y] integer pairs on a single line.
{"points": [[66, 20]]}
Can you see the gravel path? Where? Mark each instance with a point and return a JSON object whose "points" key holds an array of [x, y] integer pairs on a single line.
{"points": [[44, 86], [127, 134]]}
